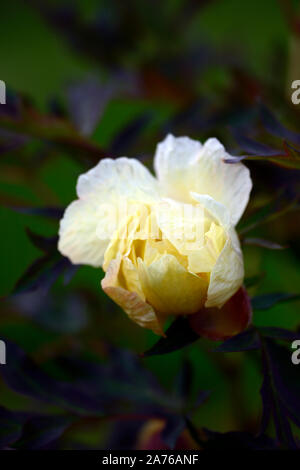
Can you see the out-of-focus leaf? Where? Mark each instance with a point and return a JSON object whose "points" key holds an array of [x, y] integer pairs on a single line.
{"points": [[202, 396], [174, 427], [125, 434], [266, 301], [184, 380], [253, 280], [29, 280], [70, 272], [287, 156], [178, 335], [53, 130], [129, 134], [245, 341], [23, 376], [46, 244], [100, 40], [65, 313], [51, 212], [41, 275], [280, 392], [279, 333], [183, 388], [86, 103], [237, 440], [121, 383], [62, 315], [12, 107], [194, 432], [271, 211], [275, 128], [250, 146], [40, 431], [10, 141], [10, 427], [263, 243]]}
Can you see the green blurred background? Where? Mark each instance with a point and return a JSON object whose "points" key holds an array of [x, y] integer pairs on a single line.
{"points": [[222, 54]]}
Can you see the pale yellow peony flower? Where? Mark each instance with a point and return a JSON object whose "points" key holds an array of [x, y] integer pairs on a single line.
{"points": [[167, 244]]}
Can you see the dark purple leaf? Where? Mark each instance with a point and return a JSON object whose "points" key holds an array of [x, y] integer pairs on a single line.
{"points": [[253, 280], [30, 277], [252, 147], [202, 396], [41, 275], [287, 156], [46, 244], [194, 432], [267, 400], [178, 335], [125, 434], [10, 427], [40, 431], [280, 391], [130, 134], [63, 315], [23, 376], [266, 301], [275, 128], [86, 102], [175, 425], [10, 141], [51, 212], [237, 440], [279, 333], [120, 383], [263, 243], [245, 341], [12, 107], [70, 272], [277, 207], [184, 380]]}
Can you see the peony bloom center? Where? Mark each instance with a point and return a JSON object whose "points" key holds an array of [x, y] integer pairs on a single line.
{"points": [[168, 245]]}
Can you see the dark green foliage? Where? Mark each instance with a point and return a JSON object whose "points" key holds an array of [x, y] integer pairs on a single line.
{"points": [[91, 80]]}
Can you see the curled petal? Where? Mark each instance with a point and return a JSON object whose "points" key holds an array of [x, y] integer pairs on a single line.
{"points": [[132, 303], [222, 323], [228, 272], [226, 277], [123, 177], [184, 165], [77, 234], [89, 223], [170, 288]]}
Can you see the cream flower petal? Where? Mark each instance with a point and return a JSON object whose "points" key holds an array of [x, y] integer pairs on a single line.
{"points": [[184, 225], [89, 223], [192, 230], [132, 303], [77, 234], [170, 288], [125, 177], [217, 210], [228, 272], [226, 277], [183, 165]]}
